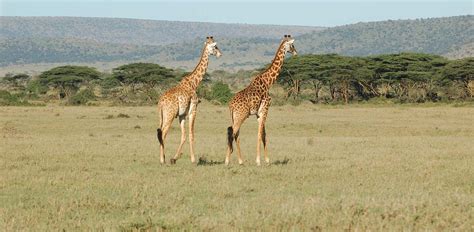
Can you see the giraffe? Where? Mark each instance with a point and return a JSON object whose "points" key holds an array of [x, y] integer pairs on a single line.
{"points": [[181, 101], [255, 100]]}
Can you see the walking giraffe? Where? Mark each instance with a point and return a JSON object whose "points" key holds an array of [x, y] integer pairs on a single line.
{"points": [[255, 100], [181, 101]]}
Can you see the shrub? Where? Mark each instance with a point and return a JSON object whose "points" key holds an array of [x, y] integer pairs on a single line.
{"points": [[203, 92], [35, 87], [109, 82], [8, 99], [220, 92], [82, 97]]}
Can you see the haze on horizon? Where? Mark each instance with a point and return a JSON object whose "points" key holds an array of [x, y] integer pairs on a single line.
{"points": [[305, 13]]}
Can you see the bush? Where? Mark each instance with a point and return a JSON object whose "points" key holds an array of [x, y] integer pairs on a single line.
{"points": [[35, 87], [109, 83], [220, 92], [82, 97], [203, 92], [8, 99]]}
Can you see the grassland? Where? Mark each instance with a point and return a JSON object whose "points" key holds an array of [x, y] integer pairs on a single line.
{"points": [[333, 168]]}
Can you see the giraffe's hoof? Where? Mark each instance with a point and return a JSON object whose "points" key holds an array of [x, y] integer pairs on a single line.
{"points": [[267, 161], [173, 161]]}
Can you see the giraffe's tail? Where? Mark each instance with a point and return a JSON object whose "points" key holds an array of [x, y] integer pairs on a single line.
{"points": [[159, 134], [230, 138]]}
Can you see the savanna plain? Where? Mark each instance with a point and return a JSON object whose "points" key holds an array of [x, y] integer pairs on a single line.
{"points": [[356, 167]]}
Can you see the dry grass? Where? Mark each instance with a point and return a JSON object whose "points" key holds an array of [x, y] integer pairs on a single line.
{"points": [[333, 168]]}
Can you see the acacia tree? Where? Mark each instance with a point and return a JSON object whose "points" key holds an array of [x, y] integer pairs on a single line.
{"points": [[147, 76], [16, 81], [292, 73], [68, 79], [305, 69], [410, 76], [460, 71]]}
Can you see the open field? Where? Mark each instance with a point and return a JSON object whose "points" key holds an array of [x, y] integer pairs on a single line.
{"points": [[333, 168]]}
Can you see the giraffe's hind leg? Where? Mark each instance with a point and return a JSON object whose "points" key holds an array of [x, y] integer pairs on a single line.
{"points": [[192, 117], [262, 137], [261, 128], [166, 124], [230, 141], [183, 139], [233, 134], [237, 143], [265, 140]]}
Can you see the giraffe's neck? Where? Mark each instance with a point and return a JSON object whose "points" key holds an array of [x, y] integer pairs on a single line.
{"points": [[193, 79], [270, 75]]}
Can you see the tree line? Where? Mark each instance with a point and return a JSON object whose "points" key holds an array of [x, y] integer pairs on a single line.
{"points": [[321, 79], [404, 77], [130, 84]]}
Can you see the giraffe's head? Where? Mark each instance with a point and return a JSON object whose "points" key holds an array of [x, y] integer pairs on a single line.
{"points": [[211, 47], [288, 44]]}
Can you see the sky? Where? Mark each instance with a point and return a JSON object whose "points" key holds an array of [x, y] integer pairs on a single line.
{"points": [[302, 12]]}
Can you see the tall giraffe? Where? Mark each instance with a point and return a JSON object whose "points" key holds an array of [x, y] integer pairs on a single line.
{"points": [[181, 101], [255, 99]]}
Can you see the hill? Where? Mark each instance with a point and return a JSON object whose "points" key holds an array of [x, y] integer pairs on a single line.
{"points": [[434, 35], [30, 41], [135, 31]]}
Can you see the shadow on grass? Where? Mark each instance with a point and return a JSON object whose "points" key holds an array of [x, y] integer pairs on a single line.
{"points": [[285, 161], [142, 226], [204, 162]]}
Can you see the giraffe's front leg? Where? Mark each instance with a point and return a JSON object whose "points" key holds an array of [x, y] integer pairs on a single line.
{"points": [[262, 137], [192, 117]]}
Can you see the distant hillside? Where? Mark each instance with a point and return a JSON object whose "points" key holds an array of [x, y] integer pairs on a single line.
{"points": [[46, 40], [458, 52], [434, 35], [135, 31], [51, 50]]}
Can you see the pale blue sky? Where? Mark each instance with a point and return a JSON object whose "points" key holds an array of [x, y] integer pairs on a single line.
{"points": [[311, 13]]}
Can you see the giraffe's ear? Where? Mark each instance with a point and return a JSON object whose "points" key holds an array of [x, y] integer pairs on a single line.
{"points": [[213, 44], [291, 40]]}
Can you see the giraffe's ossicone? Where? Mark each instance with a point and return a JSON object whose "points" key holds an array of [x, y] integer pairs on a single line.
{"points": [[181, 101], [255, 100]]}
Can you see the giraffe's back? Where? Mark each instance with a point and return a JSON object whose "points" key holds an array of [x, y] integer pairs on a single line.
{"points": [[246, 101], [175, 100]]}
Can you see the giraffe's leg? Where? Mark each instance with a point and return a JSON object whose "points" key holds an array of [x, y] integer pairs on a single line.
{"points": [[192, 117], [237, 143], [233, 134], [261, 137], [261, 127], [230, 133], [166, 124], [265, 141], [183, 139]]}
